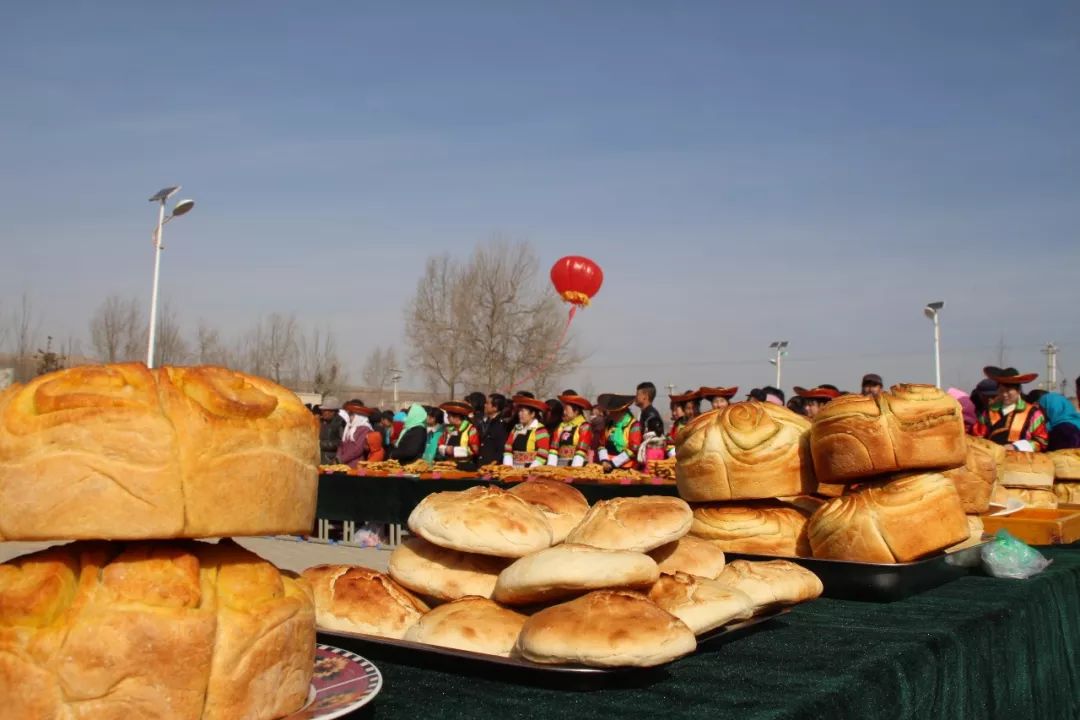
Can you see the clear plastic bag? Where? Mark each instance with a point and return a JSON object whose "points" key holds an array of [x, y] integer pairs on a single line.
{"points": [[1007, 557]]}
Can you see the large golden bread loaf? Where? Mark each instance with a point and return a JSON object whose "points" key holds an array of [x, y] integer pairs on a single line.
{"points": [[483, 519], [772, 583], [1066, 464], [747, 450], [606, 628], [1031, 497], [567, 570], [123, 452], [976, 478], [357, 599], [757, 528], [444, 574], [167, 630], [563, 505], [640, 524], [690, 555], [899, 521], [1068, 492], [1028, 470], [470, 623], [911, 427]]}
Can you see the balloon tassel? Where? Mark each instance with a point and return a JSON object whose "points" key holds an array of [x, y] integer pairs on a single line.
{"points": [[550, 357]]}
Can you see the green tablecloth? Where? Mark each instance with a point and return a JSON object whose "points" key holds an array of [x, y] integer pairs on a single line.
{"points": [[390, 500], [975, 648]]}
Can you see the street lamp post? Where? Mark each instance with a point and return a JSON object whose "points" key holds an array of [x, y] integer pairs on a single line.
{"points": [[182, 207], [933, 312], [396, 378], [780, 346]]}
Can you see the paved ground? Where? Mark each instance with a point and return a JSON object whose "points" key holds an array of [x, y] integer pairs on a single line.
{"points": [[293, 555]]}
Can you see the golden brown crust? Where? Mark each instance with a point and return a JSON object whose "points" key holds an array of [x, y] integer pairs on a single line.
{"points": [[1028, 470], [911, 427], [1068, 492], [899, 521], [691, 555], [606, 628], [361, 600], [177, 631], [122, 452], [640, 524], [744, 451], [568, 570], [1032, 497], [562, 504], [702, 603], [470, 623], [772, 583], [443, 574], [482, 519], [975, 480], [755, 528], [1066, 464]]}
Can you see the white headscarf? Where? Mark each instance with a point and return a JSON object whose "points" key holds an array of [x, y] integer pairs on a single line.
{"points": [[355, 423]]}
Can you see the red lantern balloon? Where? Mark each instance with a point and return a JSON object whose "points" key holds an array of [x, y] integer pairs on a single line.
{"points": [[577, 279]]}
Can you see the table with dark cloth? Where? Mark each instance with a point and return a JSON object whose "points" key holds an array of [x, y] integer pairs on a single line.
{"points": [[978, 647], [391, 499]]}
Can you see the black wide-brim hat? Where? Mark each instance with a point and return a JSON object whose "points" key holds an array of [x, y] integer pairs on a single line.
{"points": [[1008, 376], [611, 403]]}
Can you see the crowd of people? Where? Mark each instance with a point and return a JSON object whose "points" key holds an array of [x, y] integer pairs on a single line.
{"points": [[627, 431]]}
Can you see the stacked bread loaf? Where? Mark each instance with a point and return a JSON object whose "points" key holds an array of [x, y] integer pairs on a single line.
{"points": [[537, 573], [1066, 475], [1027, 477], [909, 476], [136, 619], [741, 467]]}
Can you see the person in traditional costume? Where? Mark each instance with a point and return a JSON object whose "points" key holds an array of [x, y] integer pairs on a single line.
{"points": [[412, 439], [360, 442], [572, 444], [816, 398], [529, 443], [1009, 419], [1062, 419], [682, 412], [623, 436], [718, 397], [461, 441]]}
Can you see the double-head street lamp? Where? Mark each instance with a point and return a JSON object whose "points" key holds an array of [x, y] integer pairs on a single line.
{"points": [[780, 347], [180, 208], [933, 312]]}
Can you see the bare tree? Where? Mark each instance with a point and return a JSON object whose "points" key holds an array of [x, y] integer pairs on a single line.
{"points": [[209, 350], [322, 367], [490, 322], [378, 368], [23, 331], [170, 348], [114, 329], [272, 348], [435, 323]]}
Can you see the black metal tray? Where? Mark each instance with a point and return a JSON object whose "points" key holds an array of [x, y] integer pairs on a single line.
{"points": [[882, 582], [522, 671]]}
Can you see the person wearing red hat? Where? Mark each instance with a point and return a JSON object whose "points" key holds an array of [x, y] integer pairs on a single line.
{"points": [[816, 398], [572, 444], [360, 442], [1009, 419], [682, 412], [718, 397], [529, 443], [461, 443], [623, 437]]}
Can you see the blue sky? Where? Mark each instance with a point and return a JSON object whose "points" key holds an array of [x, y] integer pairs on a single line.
{"points": [[744, 172]]}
